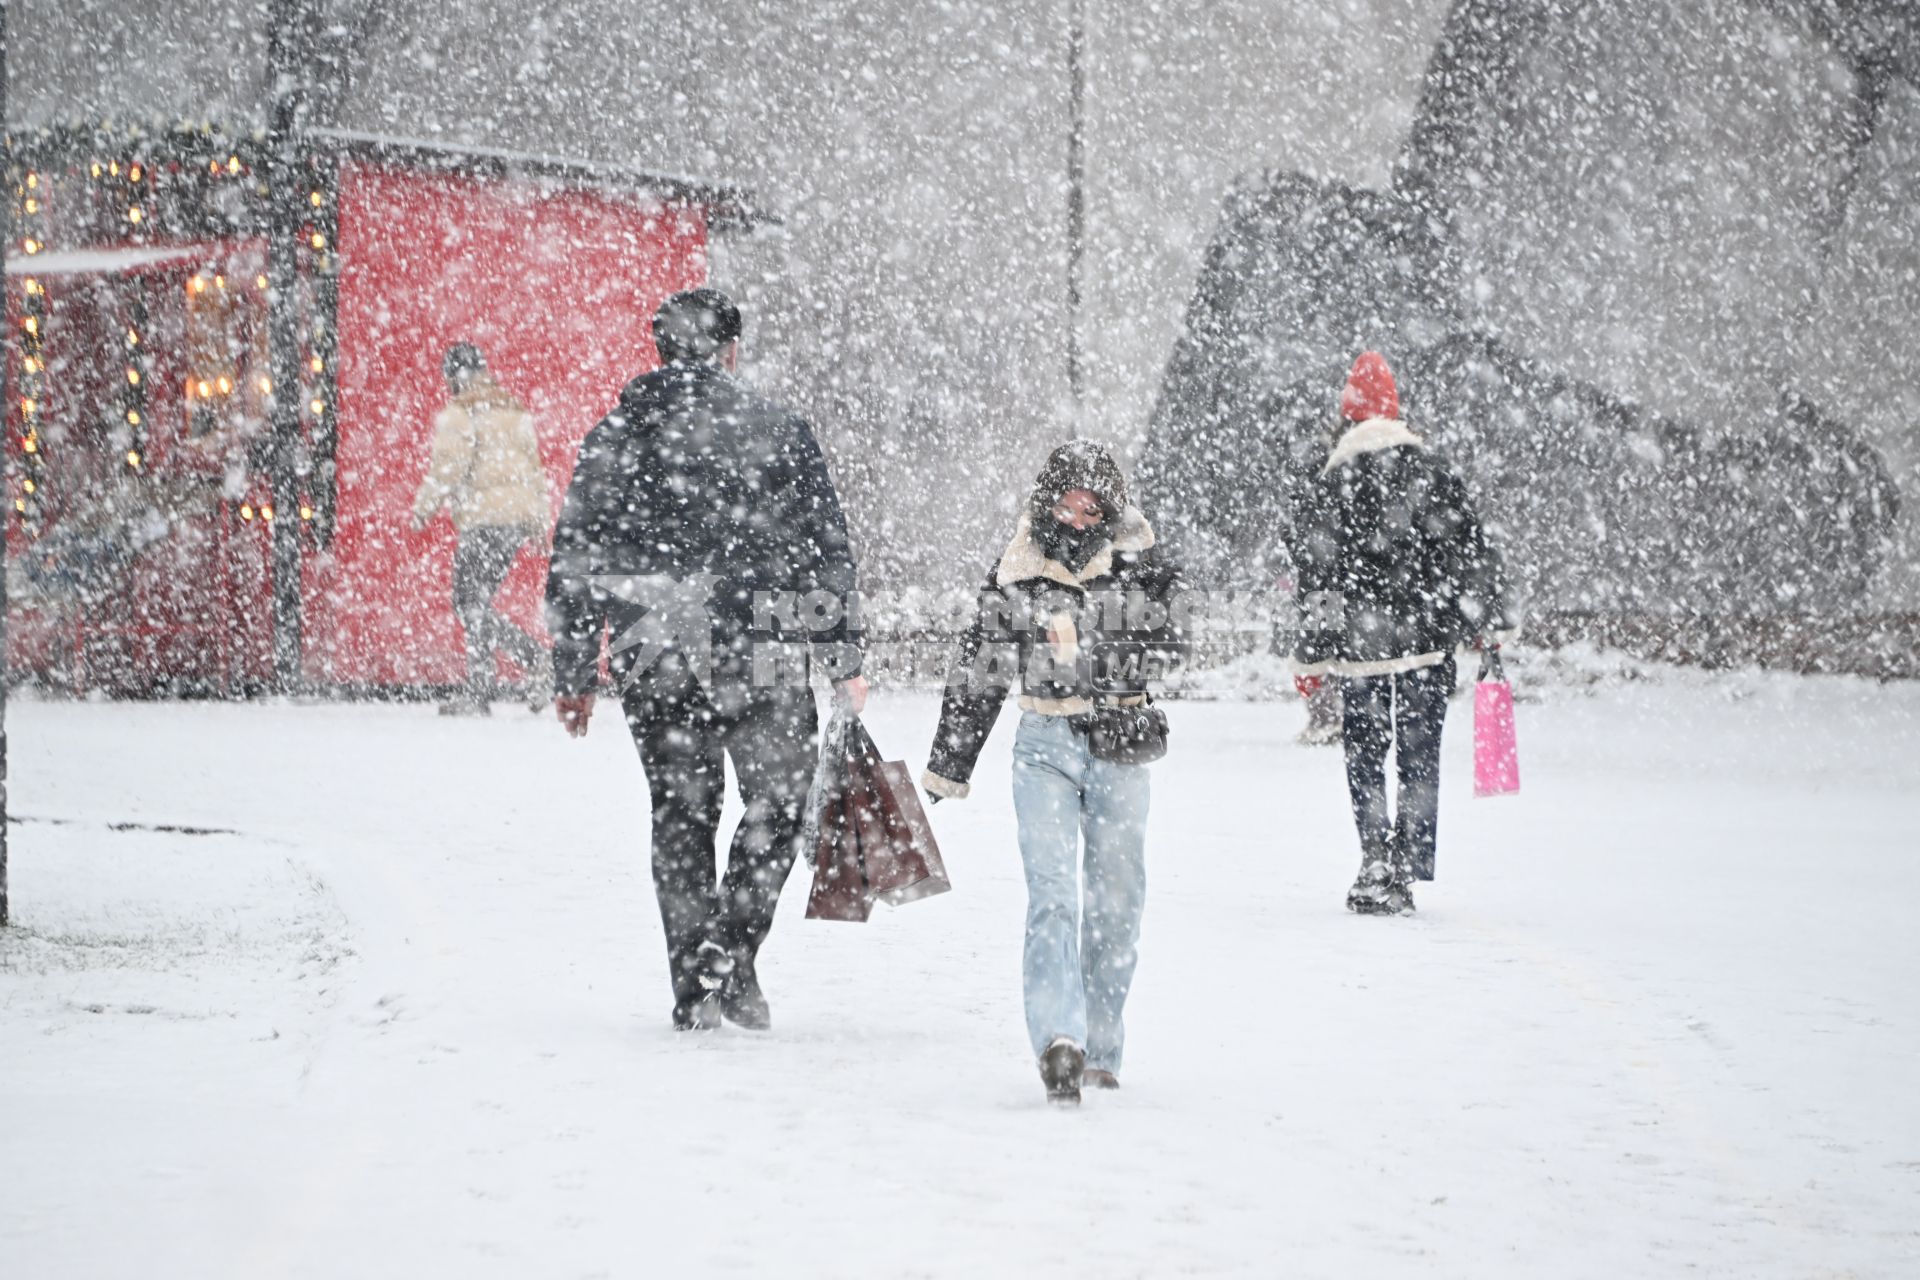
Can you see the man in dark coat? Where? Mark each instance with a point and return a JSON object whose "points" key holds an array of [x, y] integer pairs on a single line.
{"points": [[1395, 574], [702, 535]]}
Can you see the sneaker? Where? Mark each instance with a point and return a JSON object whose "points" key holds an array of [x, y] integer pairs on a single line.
{"points": [[742, 1001], [1060, 1070], [701, 1015], [1095, 1078]]}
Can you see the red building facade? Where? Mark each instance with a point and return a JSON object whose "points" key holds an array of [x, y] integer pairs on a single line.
{"points": [[139, 450]]}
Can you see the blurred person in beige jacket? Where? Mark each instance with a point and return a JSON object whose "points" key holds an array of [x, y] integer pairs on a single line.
{"points": [[486, 472]]}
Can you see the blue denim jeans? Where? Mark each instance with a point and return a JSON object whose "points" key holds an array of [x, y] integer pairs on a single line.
{"points": [[1080, 951]]}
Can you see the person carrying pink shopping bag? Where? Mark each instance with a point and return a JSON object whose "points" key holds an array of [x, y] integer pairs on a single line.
{"points": [[1395, 574]]}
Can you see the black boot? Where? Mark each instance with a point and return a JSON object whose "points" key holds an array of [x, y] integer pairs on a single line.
{"points": [[1061, 1067], [699, 1014], [697, 985], [741, 999], [1382, 889]]}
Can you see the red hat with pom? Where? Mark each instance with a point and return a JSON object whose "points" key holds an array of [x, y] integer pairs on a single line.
{"points": [[1369, 392]]}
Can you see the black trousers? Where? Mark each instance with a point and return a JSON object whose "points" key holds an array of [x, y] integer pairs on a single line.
{"points": [[1404, 712], [684, 733], [481, 558]]}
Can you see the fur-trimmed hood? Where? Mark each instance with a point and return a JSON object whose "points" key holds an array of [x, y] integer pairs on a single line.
{"points": [[1023, 560], [1370, 436]]}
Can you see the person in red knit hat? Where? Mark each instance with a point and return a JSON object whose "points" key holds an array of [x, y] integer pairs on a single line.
{"points": [[1395, 573]]}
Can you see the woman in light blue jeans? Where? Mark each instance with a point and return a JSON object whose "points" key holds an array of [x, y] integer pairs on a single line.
{"points": [[1081, 949], [1081, 606]]}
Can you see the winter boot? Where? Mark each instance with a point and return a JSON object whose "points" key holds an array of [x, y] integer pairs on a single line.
{"points": [[1060, 1070], [701, 1014], [465, 706], [1095, 1078], [741, 999], [1320, 733], [1380, 890], [540, 682]]}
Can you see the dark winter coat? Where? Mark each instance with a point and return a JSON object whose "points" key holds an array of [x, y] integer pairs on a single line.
{"points": [[1120, 623], [1394, 569], [695, 479]]}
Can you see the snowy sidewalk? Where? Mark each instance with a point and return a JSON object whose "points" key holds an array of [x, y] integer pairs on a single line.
{"points": [[357, 991]]}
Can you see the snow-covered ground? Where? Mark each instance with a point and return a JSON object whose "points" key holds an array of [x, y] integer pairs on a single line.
{"points": [[368, 993]]}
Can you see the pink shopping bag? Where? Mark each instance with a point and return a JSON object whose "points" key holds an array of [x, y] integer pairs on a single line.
{"points": [[1496, 750]]}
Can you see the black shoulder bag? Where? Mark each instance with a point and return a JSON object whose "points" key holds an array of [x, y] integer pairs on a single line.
{"points": [[1134, 734]]}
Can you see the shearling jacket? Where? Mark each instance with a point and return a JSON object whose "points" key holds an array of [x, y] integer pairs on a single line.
{"points": [[486, 463], [1067, 639]]}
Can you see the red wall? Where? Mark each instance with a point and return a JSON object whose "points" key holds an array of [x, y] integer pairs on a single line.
{"points": [[557, 288]]}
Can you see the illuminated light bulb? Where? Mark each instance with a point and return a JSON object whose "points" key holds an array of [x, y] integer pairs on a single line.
{"points": [[319, 407], [317, 199], [134, 173], [133, 457], [317, 365], [213, 166], [28, 485], [233, 164], [133, 377], [30, 245], [246, 511], [266, 386], [32, 205], [260, 281], [306, 512], [19, 504], [31, 364], [96, 170], [133, 337], [219, 282], [33, 286], [133, 214], [33, 180], [30, 445], [226, 384], [28, 406], [206, 389], [31, 324], [113, 168], [266, 511], [319, 241], [133, 417], [198, 284]]}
